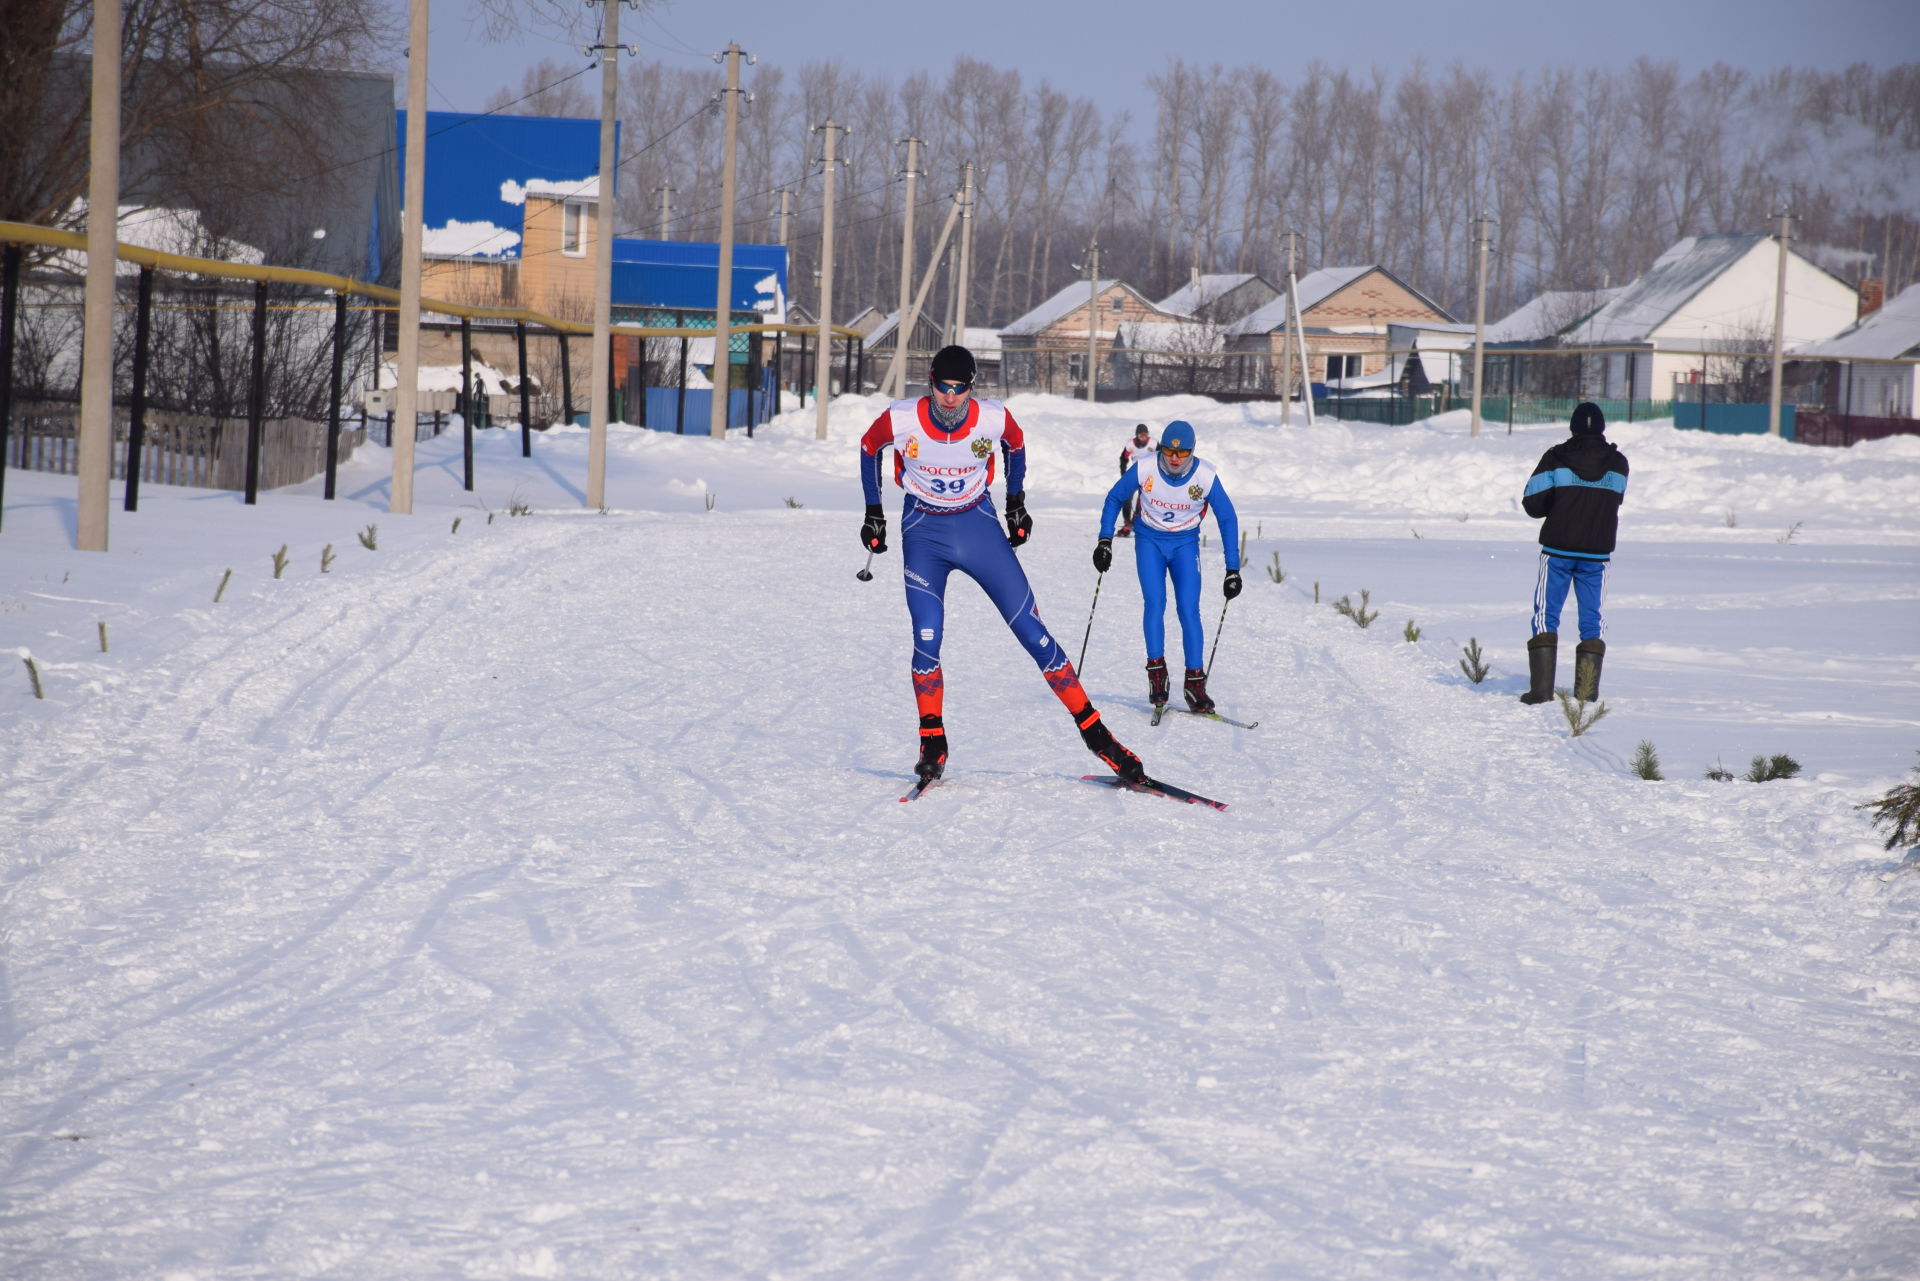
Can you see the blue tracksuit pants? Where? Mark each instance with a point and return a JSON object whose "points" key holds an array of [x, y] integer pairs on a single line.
{"points": [[1587, 578], [1160, 556], [932, 545]]}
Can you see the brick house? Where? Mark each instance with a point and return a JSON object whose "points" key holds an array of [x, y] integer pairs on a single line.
{"points": [[1344, 315], [1046, 349]]}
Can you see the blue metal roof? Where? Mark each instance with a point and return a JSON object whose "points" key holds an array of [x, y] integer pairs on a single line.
{"points": [[476, 165], [679, 274]]}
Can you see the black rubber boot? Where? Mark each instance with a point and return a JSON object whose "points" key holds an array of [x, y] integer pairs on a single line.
{"points": [[1543, 652], [1101, 742], [933, 749], [1587, 657], [1157, 682], [1198, 700]]}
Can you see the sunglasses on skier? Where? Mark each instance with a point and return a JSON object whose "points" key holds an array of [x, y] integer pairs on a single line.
{"points": [[950, 389]]}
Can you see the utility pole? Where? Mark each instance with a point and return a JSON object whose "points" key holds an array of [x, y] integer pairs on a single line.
{"points": [[1291, 239], [665, 191], [1482, 239], [898, 370], [1779, 325], [823, 378], [96, 345], [1093, 316], [966, 254], [786, 214], [723, 302], [601, 409], [406, 394]]}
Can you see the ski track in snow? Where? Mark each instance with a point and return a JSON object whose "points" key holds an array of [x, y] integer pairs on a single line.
{"points": [[533, 901]]}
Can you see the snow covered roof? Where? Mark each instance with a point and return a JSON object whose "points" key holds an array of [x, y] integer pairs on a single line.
{"points": [[982, 341], [1196, 294], [1313, 289], [1676, 278], [1187, 337], [1889, 333], [1061, 304], [1549, 314], [481, 169]]}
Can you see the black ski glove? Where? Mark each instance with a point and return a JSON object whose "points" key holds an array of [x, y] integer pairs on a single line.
{"points": [[1019, 524], [1103, 555], [873, 530], [1230, 585]]}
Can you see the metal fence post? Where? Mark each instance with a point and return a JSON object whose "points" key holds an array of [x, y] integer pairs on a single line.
{"points": [[137, 410], [566, 378], [466, 397], [680, 407], [333, 390], [257, 393], [9, 308], [526, 395]]}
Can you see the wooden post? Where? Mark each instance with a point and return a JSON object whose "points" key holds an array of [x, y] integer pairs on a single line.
{"points": [[333, 391], [257, 393], [526, 393], [466, 396], [9, 310]]}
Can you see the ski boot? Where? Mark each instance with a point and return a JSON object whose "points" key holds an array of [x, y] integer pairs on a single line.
{"points": [[1543, 652], [1101, 742], [1157, 682], [933, 749], [1196, 691], [1587, 657]]}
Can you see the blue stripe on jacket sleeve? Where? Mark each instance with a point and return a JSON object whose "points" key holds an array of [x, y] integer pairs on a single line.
{"points": [[1128, 483], [1563, 477]]}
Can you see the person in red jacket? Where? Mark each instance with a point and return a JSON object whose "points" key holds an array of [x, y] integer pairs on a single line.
{"points": [[945, 445], [1132, 452]]}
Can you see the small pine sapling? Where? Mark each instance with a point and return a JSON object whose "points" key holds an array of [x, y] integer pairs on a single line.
{"points": [[1361, 615], [795, 503], [712, 498], [221, 589], [1729, 520], [1411, 632], [1473, 664], [33, 674], [1764, 769], [103, 638], [280, 561], [1719, 773], [1316, 591], [370, 538], [326, 559], [1791, 531], [1646, 763], [1274, 571], [1899, 809], [456, 526], [1582, 710]]}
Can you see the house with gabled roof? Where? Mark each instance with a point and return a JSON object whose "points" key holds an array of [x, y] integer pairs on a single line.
{"points": [[1219, 299], [1047, 348], [1712, 293], [1344, 315], [1862, 378]]}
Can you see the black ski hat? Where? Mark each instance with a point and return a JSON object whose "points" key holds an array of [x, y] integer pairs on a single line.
{"points": [[952, 364], [1588, 420]]}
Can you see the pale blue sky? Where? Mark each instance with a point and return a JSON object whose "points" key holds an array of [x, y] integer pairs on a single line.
{"points": [[1105, 51]]}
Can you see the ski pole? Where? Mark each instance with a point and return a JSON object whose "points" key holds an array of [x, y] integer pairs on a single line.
{"points": [[1216, 635], [1096, 605], [865, 572]]}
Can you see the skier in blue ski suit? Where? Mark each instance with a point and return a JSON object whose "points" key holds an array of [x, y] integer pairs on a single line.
{"points": [[1176, 492]]}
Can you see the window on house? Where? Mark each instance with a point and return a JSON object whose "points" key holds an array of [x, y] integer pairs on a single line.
{"points": [[1116, 305], [1077, 368], [573, 229], [1343, 366]]}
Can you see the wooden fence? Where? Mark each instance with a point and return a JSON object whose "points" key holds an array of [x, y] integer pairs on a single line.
{"points": [[180, 449]]}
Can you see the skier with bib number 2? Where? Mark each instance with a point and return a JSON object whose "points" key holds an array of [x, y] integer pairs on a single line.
{"points": [[944, 447], [1176, 490]]}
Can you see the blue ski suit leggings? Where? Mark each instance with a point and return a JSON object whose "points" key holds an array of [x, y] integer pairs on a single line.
{"points": [[933, 544], [1159, 556]]}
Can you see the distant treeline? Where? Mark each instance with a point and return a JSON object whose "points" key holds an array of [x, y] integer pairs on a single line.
{"points": [[1588, 174]]}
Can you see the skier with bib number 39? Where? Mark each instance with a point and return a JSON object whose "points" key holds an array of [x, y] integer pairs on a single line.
{"points": [[1176, 491], [944, 445]]}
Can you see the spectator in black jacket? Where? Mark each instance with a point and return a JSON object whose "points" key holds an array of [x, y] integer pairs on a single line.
{"points": [[1576, 490]]}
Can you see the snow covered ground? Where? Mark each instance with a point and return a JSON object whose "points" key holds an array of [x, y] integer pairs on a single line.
{"points": [[530, 898]]}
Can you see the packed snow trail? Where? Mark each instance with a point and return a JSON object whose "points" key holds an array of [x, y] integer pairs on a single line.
{"points": [[534, 901]]}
